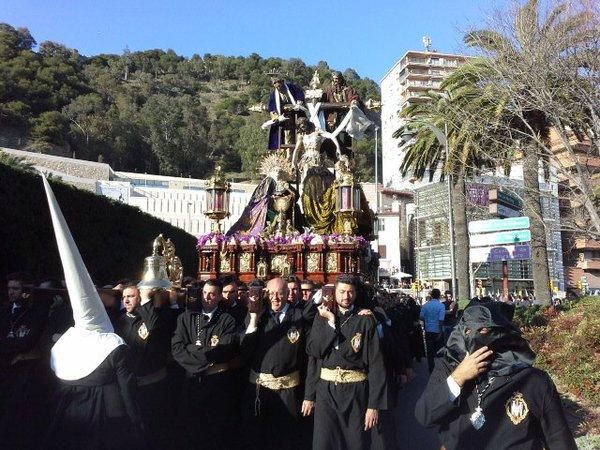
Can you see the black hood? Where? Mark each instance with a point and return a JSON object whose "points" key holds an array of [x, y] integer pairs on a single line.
{"points": [[511, 350]]}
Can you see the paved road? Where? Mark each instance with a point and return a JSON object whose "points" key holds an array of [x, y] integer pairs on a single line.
{"points": [[410, 435]]}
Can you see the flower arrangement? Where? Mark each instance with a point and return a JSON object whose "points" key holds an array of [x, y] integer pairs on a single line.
{"points": [[270, 242]]}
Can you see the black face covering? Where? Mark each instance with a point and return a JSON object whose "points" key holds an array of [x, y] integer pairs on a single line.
{"points": [[511, 351], [475, 339]]}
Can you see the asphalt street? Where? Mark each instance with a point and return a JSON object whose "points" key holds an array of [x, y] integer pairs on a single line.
{"points": [[410, 435]]}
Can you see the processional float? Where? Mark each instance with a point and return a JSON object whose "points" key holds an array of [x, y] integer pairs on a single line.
{"points": [[309, 215]]}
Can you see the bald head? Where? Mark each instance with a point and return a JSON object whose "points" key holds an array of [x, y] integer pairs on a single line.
{"points": [[277, 290]]}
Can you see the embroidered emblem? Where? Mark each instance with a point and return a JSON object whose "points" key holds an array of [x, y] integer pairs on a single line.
{"points": [[22, 331], [516, 408], [143, 332], [356, 342], [293, 335], [214, 340]]}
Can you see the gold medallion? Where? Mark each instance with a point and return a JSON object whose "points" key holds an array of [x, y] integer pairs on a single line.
{"points": [[143, 332], [356, 342], [516, 408], [214, 340], [293, 335]]}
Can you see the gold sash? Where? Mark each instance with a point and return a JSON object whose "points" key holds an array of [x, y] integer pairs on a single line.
{"points": [[275, 383], [339, 375]]}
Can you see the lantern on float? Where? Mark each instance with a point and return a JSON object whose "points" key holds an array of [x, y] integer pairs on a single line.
{"points": [[347, 202], [217, 199]]}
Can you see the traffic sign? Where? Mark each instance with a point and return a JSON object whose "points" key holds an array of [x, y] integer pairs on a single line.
{"points": [[505, 198], [500, 210], [501, 237], [491, 225], [500, 253]]}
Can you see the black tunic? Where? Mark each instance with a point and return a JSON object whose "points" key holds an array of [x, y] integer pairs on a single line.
{"points": [[24, 375], [543, 426], [99, 410], [274, 349], [340, 408], [147, 334], [208, 400]]}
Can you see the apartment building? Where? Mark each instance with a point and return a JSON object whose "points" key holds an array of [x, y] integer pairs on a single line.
{"points": [[413, 75]]}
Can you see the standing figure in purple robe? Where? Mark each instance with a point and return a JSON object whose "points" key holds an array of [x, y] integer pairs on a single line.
{"points": [[285, 105]]}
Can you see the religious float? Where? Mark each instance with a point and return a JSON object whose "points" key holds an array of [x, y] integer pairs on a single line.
{"points": [[308, 216]]}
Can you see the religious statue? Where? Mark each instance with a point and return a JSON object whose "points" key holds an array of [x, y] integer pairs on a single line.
{"points": [[273, 200], [286, 103]]}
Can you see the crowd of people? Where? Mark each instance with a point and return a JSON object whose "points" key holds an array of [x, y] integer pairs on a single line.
{"points": [[283, 364], [219, 364]]}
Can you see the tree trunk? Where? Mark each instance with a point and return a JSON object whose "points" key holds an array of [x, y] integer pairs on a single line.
{"points": [[533, 209], [461, 236]]}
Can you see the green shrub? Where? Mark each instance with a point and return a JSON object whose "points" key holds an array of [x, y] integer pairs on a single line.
{"points": [[113, 238], [567, 345]]}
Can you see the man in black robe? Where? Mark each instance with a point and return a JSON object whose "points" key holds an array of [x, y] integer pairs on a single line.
{"points": [[146, 331], [230, 303], [484, 392], [274, 345], [204, 343], [22, 322], [352, 385]]}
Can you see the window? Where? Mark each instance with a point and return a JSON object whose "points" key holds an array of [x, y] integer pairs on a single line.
{"points": [[381, 224], [382, 251]]}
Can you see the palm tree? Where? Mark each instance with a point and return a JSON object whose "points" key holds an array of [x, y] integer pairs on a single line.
{"points": [[455, 112], [528, 46]]}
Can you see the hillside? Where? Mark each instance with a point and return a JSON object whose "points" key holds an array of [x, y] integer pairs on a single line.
{"points": [[149, 111]]}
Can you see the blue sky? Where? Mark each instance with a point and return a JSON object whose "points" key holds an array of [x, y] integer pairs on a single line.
{"points": [[367, 36]]}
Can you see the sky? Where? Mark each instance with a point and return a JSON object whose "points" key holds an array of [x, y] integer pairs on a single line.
{"points": [[368, 36]]}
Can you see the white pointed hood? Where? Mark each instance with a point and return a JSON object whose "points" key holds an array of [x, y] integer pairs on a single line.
{"points": [[83, 347]]}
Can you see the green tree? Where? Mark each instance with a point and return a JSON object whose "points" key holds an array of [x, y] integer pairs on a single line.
{"points": [[448, 135], [527, 45], [252, 145], [50, 126]]}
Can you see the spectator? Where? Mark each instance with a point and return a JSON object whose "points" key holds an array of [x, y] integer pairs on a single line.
{"points": [[432, 315]]}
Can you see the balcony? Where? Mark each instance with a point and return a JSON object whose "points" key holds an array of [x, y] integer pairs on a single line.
{"points": [[589, 264], [587, 244]]}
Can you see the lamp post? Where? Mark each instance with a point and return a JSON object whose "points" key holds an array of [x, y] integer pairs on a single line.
{"points": [[217, 199], [376, 222]]}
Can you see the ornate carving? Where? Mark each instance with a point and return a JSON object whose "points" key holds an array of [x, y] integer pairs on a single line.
{"points": [[312, 263], [225, 263], [277, 263], [332, 263], [245, 259]]}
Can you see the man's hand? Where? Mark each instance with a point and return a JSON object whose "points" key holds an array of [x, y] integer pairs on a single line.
{"points": [[410, 374], [371, 418], [366, 312], [255, 309], [325, 313], [308, 407], [472, 366]]}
